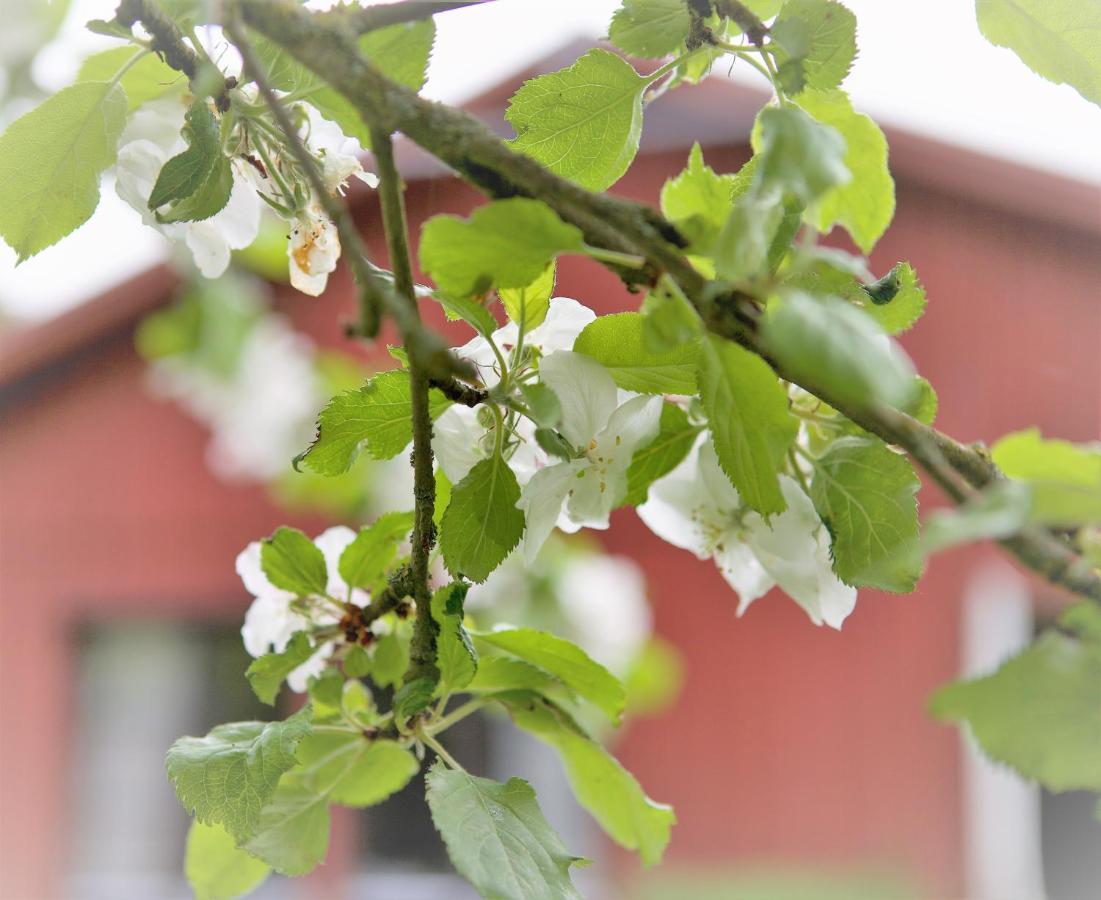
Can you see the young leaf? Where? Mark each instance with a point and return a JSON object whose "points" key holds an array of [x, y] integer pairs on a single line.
{"points": [[390, 659], [896, 301], [1057, 39], [582, 122], [228, 776], [500, 673], [608, 791], [292, 834], [615, 341], [497, 837], [456, 657], [751, 427], [146, 79], [482, 524], [1040, 713], [865, 493], [698, 200], [354, 771], [663, 454], [668, 321], [866, 204], [198, 181], [376, 415], [294, 563], [527, 306], [470, 310], [565, 661], [366, 559], [798, 156], [650, 28], [507, 243], [1065, 479], [815, 44], [267, 674], [832, 344], [412, 697], [50, 162], [216, 868], [743, 247]]}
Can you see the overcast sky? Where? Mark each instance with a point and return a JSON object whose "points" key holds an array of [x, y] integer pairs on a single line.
{"points": [[923, 66]]}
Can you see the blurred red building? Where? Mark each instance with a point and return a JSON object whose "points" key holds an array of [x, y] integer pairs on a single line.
{"points": [[789, 743]]}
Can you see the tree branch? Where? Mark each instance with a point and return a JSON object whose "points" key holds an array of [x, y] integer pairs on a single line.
{"points": [[422, 649], [614, 224], [371, 18]]}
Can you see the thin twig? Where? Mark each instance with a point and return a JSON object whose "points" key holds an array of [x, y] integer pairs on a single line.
{"points": [[363, 19]]}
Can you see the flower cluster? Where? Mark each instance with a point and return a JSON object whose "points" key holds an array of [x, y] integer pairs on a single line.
{"points": [[153, 136]]}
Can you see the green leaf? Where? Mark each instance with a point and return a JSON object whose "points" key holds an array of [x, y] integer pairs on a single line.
{"points": [[565, 661], [390, 658], [456, 657], [542, 403], [650, 28], [146, 79], [616, 342], [506, 243], [668, 321], [482, 524], [412, 697], [198, 181], [1040, 712], [698, 201], [500, 673], [497, 837], [997, 511], [866, 204], [470, 310], [353, 771], [527, 306], [751, 427], [663, 454], [266, 674], [896, 301], [582, 122], [357, 662], [798, 156], [1065, 479], [831, 344], [228, 776], [293, 562], [401, 52], [292, 835], [865, 494], [924, 409], [366, 560], [215, 868], [376, 417], [608, 791], [50, 162], [744, 246], [1060, 40], [815, 44]]}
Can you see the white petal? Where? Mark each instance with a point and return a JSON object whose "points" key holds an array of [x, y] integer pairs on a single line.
{"points": [[541, 500], [478, 352], [136, 170], [248, 568], [269, 624], [585, 391], [332, 542], [788, 548], [239, 219], [743, 572], [313, 251], [565, 320], [457, 441], [632, 425], [680, 509], [604, 598], [299, 680], [208, 248], [835, 598]]}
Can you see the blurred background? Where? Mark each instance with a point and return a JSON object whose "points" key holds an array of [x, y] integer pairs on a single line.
{"points": [[148, 420]]}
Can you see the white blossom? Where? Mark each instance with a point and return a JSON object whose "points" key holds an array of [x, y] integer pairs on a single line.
{"points": [[582, 492], [313, 250], [149, 141], [272, 620], [695, 507]]}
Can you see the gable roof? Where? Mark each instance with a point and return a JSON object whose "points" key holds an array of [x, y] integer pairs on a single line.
{"points": [[673, 122]]}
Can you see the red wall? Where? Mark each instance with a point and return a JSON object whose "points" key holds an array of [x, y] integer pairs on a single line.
{"points": [[789, 743]]}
